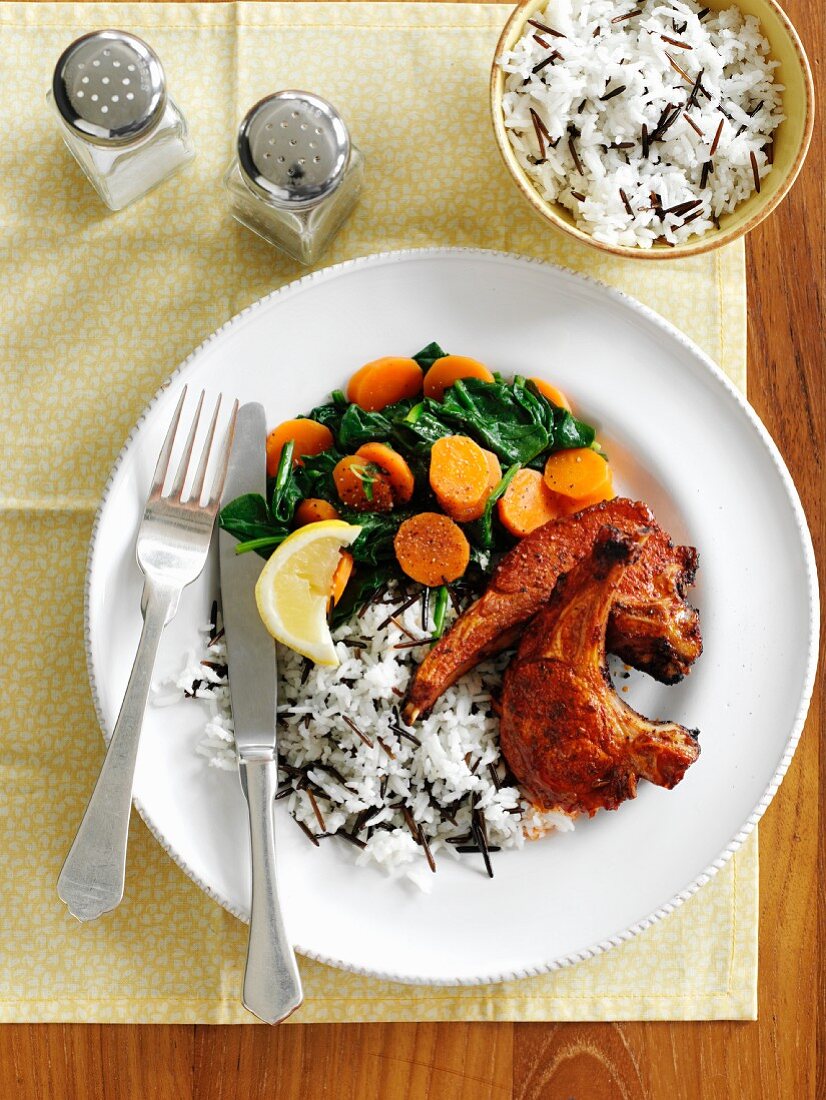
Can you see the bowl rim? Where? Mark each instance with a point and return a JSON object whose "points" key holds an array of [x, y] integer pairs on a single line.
{"points": [[708, 241]]}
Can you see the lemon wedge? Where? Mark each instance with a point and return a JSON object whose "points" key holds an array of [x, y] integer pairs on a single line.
{"points": [[293, 589]]}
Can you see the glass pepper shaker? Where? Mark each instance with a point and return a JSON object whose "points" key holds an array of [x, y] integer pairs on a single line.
{"points": [[109, 93], [295, 175]]}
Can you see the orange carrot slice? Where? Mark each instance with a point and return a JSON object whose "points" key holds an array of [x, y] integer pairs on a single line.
{"points": [[578, 473], [431, 549], [444, 372], [528, 503], [343, 572], [384, 382], [395, 468], [555, 396], [312, 510], [361, 485], [576, 504], [459, 475], [308, 437], [494, 477]]}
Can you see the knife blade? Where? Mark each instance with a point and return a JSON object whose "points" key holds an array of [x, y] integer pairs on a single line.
{"points": [[250, 649], [272, 985]]}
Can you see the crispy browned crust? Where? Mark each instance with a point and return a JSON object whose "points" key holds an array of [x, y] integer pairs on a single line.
{"points": [[652, 627], [569, 739]]}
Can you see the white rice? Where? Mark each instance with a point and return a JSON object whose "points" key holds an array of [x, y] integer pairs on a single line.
{"points": [[568, 96], [459, 747]]}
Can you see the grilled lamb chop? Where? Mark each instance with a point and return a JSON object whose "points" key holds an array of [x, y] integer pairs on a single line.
{"points": [[651, 626], [567, 736]]}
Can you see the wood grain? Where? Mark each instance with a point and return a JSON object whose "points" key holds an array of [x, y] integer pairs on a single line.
{"points": [[780, 1056]]}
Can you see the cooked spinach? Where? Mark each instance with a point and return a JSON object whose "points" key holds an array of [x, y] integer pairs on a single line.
{"points": [[314, 477], [495, 415], [440, 610], [378, 529], [511, 418], [259, 524], [357, 426], [428, 356], [420, 428], [481, 531], [285, 492], [570, 432], [247, 518]]}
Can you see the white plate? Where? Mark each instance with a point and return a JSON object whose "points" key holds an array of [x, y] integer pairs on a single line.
{"points": [[680, 437]]}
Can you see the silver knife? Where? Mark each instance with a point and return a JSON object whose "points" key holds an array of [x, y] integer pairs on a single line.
{"points": [[272, 985]]}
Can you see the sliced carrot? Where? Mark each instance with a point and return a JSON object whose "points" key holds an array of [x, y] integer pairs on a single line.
{"points": [[528, 503], [431, 549], [308, 436], [384, 382], [343, 572], [449, 369], [578, 473], [459, 475], [361, 485], [391, 464], [555, 396], [494, 477], [312, 510], [576, 504], [494, 469]]}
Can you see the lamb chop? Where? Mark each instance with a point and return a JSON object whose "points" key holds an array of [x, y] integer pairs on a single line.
{"points": [[651, 626], [569, 739]]}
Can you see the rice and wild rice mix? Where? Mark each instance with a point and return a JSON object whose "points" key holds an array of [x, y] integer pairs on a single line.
{"points": [[352, 772], [648, 121]]}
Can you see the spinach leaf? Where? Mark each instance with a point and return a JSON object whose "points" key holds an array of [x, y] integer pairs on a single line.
{"points": [[286, 492], [493, 414], [247, 517], [420, 428], [538, 408], [565, 429], [482, 530], [330, 413], [314, 478], [440, 611], [378, 529], [428, 356], [259, 525], [358, 426], [570, 432]]}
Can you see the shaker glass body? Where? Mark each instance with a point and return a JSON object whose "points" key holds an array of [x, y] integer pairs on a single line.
{"points": [[302, 232], [122, 174]]}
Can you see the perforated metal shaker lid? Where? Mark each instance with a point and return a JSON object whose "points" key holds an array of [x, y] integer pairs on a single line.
{"points": [[293, 148], [109, 87]]}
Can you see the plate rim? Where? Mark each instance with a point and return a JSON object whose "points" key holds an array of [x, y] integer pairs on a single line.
{"points": [[811, 579]]}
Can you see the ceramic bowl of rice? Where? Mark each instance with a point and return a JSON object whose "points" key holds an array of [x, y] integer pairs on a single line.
{"points": [[656, 129]]}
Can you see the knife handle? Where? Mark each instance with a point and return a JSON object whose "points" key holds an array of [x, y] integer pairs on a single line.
{"points": [[272, 984]]}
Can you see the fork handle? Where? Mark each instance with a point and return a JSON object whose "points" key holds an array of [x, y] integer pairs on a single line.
{"points": [[272, 984], [91, 881]]}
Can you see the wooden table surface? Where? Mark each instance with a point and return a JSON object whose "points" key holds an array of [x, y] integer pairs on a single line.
{"points": [[778, 1057]]}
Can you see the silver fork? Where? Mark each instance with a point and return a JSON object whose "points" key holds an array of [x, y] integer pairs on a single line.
{"points": [[173, 542]]}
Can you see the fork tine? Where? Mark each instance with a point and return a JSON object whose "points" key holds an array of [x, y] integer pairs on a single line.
{"points": [[198, 484], [223, 460], [166, 450], [177, 487]]}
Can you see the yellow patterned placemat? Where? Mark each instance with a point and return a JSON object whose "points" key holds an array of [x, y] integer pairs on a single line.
{"points": [[97, 310]]}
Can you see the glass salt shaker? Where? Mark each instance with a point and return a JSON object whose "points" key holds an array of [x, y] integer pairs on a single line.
{"points": [[109, 93], [295, 175]]}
